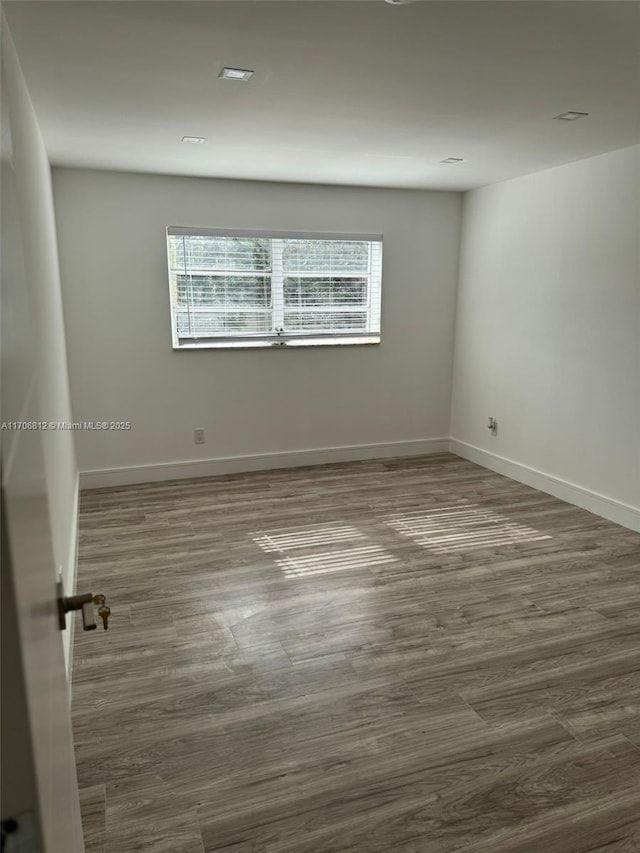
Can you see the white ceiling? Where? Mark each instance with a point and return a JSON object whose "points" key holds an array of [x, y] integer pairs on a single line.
{"points": [[359, 93]]}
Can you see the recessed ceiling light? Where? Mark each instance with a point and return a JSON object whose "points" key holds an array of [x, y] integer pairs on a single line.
{"points": [[570, 116], [453, 160], [194, 140], [398, 2], [235, 74]]}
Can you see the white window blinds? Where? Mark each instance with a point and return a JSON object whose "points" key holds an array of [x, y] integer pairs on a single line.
{"points": [[257, 289]]}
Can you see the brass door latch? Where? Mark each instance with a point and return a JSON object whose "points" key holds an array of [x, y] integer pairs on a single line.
{"points": [[86, 603]]}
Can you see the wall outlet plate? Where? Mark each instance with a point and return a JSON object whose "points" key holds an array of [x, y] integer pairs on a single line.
{"points": [[198, 436]]}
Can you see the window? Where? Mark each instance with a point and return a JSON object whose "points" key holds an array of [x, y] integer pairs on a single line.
{"points": [[253, 289]]}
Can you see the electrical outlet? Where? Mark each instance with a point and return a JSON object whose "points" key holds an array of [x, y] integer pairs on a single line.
{"points": [[198, 436], [492, 426]]}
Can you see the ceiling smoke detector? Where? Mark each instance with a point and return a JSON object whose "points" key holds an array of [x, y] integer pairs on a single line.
{"points": [[194, 140], [453, 160], [399, 2]]}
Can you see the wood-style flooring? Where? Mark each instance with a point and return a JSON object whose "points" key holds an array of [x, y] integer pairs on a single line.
{"points": [[412, 655]]}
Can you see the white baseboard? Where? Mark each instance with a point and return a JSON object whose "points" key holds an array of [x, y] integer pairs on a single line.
{"points": [[258, 462], [608, 508]]}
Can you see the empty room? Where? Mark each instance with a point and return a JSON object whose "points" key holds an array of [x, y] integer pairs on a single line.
{"points": [[320, 426]]}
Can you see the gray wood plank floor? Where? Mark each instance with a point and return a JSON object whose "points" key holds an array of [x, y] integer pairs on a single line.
{"points": [[411, 655]]}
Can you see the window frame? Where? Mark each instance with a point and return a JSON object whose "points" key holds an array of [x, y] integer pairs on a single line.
{"points": [[277, 274]]}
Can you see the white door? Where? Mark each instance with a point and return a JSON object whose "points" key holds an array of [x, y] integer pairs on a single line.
{"points": [[39, 786]]}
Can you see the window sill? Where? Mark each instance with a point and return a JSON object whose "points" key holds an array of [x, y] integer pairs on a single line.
{"points": [[291, 344]]}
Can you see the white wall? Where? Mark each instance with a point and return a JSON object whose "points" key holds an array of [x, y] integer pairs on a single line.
{"points": [[548, 329], [36, 342], [113, 258]]}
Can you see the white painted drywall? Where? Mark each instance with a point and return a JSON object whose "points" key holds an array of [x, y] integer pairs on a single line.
{"points": [[343, 93], [39, 334], [114, 270], [548, 323]]}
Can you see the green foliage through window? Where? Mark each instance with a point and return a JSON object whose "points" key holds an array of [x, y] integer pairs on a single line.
{"points": [[243, 286]]}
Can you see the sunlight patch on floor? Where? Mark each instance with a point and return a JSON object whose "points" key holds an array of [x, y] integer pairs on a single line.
{"points": [[335, 561], [306, 560], [292, 538], [447, 530]]}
